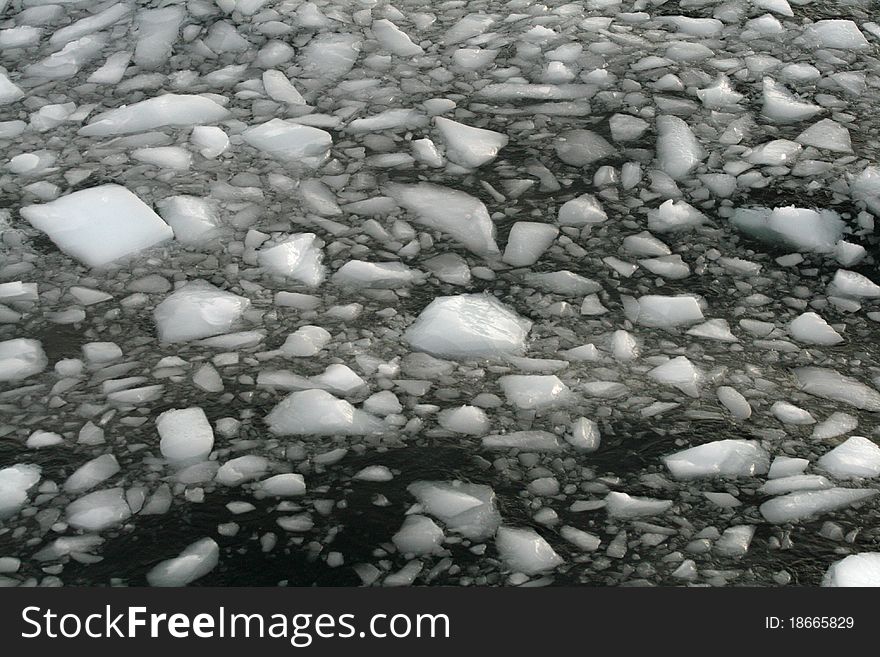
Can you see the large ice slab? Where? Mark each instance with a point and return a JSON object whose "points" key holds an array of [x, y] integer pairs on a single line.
{"points": [[99, 510], [855, 457], [835, 33], [186, 435], [193, 219], [533, 391], [158, 112], [359, 273], [469, 326], [467, 146], [862, 569], [800, 505], [91, 473], [680, 373], [298, 257], [99, 225], [291, 142], [461, 216], [678, 150], [662, 311], [830, 384], [195, 561], [800, 228], [317, 412], [21, 358], [197, 310], [523, 550], [720, 458], [467, 509], [418, 535], [15, 482]]}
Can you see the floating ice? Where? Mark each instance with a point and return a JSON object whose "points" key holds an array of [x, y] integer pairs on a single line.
{"points": [[358, 273], [798, 506], [527, 242], [830, 384], [394, 39], [186, 435], [459, 215], [735, 541], [306, 341], [195, 561], [678, 150], [534, 391], [197, 310], [855, 457], [284, 485], [680, 373], [21, 358], [621, 505], [791, 414], [99, 225], [92, 473], [158, 112], [468, 509], [193, 219], [468, 146], [318, 412], [828, 135], [15, 482], [242, 469], [721, 458], [852, 284], [673, 216], [836, 33], [800, 228], [525, 551], [862, 569], [469, 420], [781, 106], [531, 441], [584, 435], [835, 425], [468, 326], [290, 142], [9, 92], [812, 329], [298, 257], [419, 535], [581, 148], [99, 510]]}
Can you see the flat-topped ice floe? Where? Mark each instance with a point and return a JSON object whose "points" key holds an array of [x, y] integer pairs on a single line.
{"points": [[469, 326], [720, 458], [817, 231], [523, 550], [461, 216], [663, 312], [862, 569], [186, 435], [99, 510], [855, 457], [15, 482], [298, 257], [100, 224], [317, 412], [159, 112], [21, 358], [798, 506], [291, 142], [830, 384], [467, 509], [467, 146], [835, 33], [622, 505], [678, 150], [195, 561], [91, 473], [197, 310], [531, 391], [358, 273]]}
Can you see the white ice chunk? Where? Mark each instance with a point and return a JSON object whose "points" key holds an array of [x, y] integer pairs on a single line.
{"points": [[835, 425], [394, 39], [531, 441], [678, 150], [242, 469], [469, 420], [468, 509], [21, 358], [527, 242], [828, 135], [195, 561], [468, 146], [100, 224], [781, 106], [99, 510], [362, 274], [279, 88], [673, 216], [524, 551], [210, 140], [318, 412], [186, 435], [622, 505], [721, 458], [92, 473], [288, 484], [855, 457], [584, 435], [800, 505], [790, 414], [663, 311], [459, 215], [419, 535], [531, 391], [734, 402], [800, 228], [157, 112], [9, 92], [830, 384], [580, 211], [193, 219], [853, 284], [197, 310], [810, 328], [157, 31], [861, 570], [291, 142], [468, 326], [306, 341], [298, 257], [15, 482], [835, 33]]}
